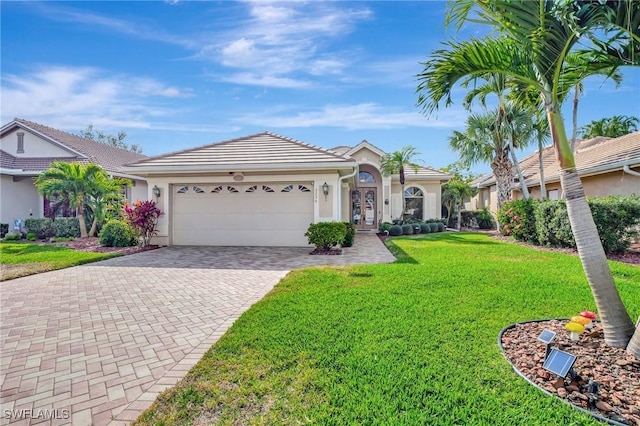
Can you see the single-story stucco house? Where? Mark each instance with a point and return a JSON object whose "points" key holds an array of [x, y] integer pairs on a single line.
{"points": [[265, 190], [28, 148], [606, 166]]}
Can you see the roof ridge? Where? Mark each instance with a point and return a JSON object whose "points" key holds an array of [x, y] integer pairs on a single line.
{"points": [[316, 147]]}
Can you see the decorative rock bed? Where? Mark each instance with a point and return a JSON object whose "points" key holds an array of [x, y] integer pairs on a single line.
{"points": [[616, 372]]}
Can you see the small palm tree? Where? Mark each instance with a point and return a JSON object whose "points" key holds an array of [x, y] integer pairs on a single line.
{"points": [[106, 196], [397, 162], [73, 181]]}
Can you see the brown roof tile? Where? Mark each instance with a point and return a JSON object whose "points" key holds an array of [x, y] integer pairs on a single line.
{"points": [[107, 156]]}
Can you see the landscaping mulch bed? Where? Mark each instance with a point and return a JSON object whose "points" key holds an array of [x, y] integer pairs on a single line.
{"points": [[326, 252], [92, 244], [616, 372]]}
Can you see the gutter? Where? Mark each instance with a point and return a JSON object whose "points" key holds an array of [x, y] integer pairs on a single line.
{"points": [[340, 180], [628, 170], [159, 169]]}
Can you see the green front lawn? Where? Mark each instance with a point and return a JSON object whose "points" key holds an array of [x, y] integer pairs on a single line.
{"points": [[20, 259], [409, 343]]}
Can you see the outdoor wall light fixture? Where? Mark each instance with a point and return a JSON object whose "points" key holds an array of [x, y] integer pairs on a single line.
{"points": [[325, 190], [386, 201], [156, 191]]}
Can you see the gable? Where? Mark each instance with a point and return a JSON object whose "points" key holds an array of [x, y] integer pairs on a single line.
{"points": [[34, 146]]}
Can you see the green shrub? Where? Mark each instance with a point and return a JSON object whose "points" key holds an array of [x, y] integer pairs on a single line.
{"points": [[518, 219], [350, 235], [417, 228], [433, 226], [425, 228], [395, 230], [616, 219], [441, 226], [117, 233], [485, 219], [385, 226], [13, 237], [31, 236], [42, 228], [67, 227], [4, 229], [407, 229], [61, 239], [325, 235]]}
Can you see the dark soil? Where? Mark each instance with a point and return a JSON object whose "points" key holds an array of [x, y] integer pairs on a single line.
{"points": [[616, 372], [92, 244], [327, 252]]}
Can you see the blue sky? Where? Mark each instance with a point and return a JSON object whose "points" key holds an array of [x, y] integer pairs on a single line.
{"points": [[178, 74]]}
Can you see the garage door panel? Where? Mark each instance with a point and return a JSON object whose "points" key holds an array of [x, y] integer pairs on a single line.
{"points": [[257, 217]]}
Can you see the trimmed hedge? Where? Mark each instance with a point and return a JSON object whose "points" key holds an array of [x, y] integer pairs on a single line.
{"points": [[385, 226], [617, 219], [350, 235], [325, 235], [42, 228], [425, 228], [395, 230], [434, 226], [66, 227], [407, 229]]}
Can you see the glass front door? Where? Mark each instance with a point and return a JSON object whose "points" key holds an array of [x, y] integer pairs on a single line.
{"points": [[363, 208]]}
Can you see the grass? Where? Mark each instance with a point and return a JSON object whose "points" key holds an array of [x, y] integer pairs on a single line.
{"points": [[19, 259], [409, 343]]}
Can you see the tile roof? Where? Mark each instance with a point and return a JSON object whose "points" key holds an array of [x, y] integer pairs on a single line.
{"points": [[596, 155], [259, 149], [425, 173], [89, 151]]}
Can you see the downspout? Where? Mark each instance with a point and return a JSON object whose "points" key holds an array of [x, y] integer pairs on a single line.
{"points": [[629, 171], [340, 180]]}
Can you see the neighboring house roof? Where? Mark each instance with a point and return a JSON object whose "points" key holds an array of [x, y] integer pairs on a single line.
{"points": [[592, 156], [425, 173], [80, 149], [258, 151]]}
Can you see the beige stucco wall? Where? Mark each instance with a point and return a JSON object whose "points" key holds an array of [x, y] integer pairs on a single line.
{"points": [[432, 202], [18, 199], [34, 146], [365, 155], [139, 191]]}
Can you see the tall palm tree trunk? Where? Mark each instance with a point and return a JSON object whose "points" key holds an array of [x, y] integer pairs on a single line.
{"points": [[502, 170], [523, 184], [634, 345], [543, 184], [618, 328]]}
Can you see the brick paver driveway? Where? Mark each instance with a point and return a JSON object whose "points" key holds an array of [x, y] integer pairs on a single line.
{"points": [[95, 344]]}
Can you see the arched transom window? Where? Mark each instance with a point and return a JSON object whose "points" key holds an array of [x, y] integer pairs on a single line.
{"points": [[413, 203], [366, 177]]}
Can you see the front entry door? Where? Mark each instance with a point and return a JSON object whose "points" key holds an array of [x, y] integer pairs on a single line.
{"points": [[363, 208]]}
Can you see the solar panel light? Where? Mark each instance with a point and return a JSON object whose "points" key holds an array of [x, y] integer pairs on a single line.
{"points": [[560, 363], [547, 337]]}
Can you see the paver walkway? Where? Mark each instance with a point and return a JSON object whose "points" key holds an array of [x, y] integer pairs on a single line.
{"points": [[95, 344]]}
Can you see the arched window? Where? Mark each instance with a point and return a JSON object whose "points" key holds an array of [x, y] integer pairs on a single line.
{"points": [[413, 203], [366, 177]]}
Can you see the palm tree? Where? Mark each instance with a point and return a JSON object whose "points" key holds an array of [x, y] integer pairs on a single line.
{"points": [[72, 180], [481, 143], [613, 127], [540, 36], [106, 195], [397, 162]]}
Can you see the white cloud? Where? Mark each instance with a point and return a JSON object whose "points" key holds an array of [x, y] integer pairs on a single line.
{"points": [[355, 117], [74, 97]]}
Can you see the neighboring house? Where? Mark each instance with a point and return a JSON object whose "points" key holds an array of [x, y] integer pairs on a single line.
{"points": [[28, 148], [607, 166], [265, 190]]}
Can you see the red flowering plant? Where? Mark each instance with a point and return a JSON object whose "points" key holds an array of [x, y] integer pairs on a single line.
{"points": [[143, 218], [517, 218]]}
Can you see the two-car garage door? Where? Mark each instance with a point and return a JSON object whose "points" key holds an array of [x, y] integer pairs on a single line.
{"points": [[242, 214]]}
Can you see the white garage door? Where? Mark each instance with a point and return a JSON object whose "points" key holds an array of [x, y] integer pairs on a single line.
{"points": [[242, 214]]}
